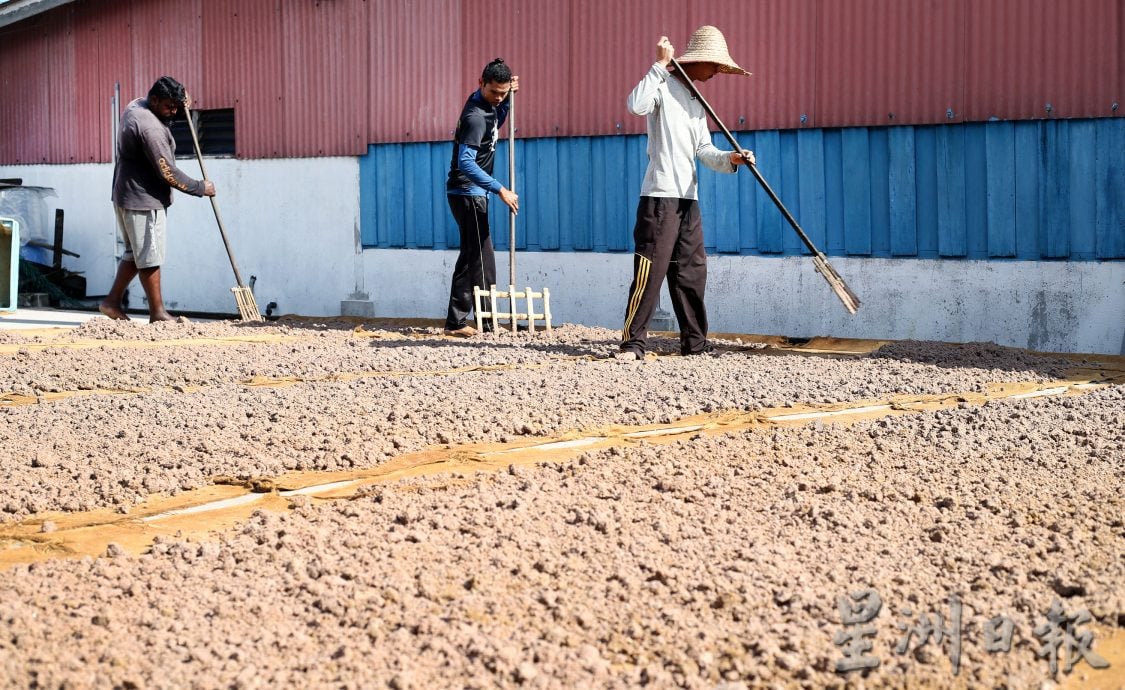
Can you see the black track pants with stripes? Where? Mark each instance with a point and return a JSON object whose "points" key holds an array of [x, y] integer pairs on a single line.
{"points": [[668, 238]]}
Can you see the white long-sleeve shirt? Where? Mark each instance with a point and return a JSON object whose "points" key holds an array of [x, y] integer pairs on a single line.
{"points": [[677, 135]]}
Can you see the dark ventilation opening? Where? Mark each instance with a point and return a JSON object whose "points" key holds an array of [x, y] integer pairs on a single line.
{"points": [[215, 129]]}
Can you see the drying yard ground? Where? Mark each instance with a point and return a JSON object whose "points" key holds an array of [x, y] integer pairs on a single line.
{"points": [[314, 505]]}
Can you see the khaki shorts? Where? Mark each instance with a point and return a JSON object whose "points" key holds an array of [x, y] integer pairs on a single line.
{"points": [[143, 232]]}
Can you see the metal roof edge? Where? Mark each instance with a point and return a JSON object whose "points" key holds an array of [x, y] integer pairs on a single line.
{"points": [[18, 10]]}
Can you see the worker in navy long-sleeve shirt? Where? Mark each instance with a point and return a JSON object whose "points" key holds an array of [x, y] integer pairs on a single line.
{"points": [[469, 184]]}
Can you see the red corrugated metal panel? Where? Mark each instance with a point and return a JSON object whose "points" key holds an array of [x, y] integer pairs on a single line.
{"points": [[1119, 48], [222, 41], [63, 105], [23, 106], [325, 82], [534, 39], [776, 41], [165, 36], [889, 62], [252, 42], [611, 47], [328, 77], [105, 41], [414, 71], [1025, 54]]}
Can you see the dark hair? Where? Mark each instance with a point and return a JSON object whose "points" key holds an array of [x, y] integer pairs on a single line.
{"points": [[167, 87], [496, 72]]}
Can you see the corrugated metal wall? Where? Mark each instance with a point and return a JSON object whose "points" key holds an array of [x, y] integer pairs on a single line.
{"points": [[1000, 190], [313, 78]]}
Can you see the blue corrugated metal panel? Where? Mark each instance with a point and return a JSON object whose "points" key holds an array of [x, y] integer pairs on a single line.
{"points": [[880, 193], [748, 212], [575, 217], [368, 226], [902, 192], [857, 191], [810, 161], [546, 202], [790, 191], [600, 182], [635, 166], [976, 190], [445, 229], [391, 210], [1027, 190], [1054, 192], [1000, 145], [952, 230], [382, 173], [767, 151], [834, 192], [497, 211], [620, 198], [926, 168], [1110, 183], [723, 193], [1083, 152], [418, 218]]}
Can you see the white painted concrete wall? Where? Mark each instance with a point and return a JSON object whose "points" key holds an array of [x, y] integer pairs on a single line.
{"points": [[1057, 307], [292, 223], [295, 225]]}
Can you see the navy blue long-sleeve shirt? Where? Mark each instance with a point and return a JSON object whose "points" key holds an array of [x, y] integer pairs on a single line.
{"points": [[474, 148]]}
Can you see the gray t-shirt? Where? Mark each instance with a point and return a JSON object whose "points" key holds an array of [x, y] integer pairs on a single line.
{"points": [[677, 135], [146, 170]]}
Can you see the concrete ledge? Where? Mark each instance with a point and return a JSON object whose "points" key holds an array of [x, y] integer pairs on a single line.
{"points": [[1071, 306], [363, 308]]}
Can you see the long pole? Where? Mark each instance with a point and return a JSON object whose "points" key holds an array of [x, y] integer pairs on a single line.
{"points": [[214, 206], [512, 186], [738, 147], [820, 261]]}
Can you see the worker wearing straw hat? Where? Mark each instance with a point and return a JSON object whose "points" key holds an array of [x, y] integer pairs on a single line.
{"points": [[668, 234]]}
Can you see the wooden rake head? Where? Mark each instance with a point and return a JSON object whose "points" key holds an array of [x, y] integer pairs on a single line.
{"points": [[247, 306]]}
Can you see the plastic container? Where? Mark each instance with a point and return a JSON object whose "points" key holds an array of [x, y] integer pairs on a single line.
{"points": [[9, 263]]}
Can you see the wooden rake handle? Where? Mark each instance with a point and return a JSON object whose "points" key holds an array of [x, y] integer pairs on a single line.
{"points": [[835, 281], [214, 206], [512, 186], [753, 168]]}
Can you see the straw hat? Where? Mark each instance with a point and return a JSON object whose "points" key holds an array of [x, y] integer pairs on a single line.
{"points": [[708, 45]]}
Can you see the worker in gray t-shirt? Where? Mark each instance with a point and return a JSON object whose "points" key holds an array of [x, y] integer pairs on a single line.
{"points": [[143, 179]]}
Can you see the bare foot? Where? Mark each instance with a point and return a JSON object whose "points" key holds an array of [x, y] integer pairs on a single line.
{"points": [[161, 316], [113, 312]]}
